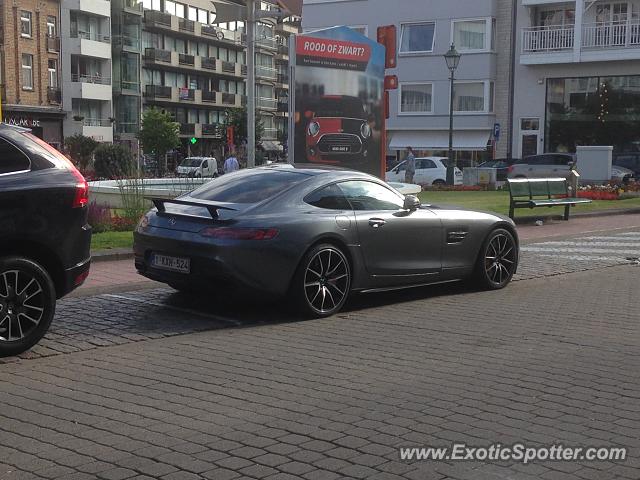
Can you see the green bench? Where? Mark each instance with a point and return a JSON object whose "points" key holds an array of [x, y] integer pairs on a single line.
{"points": [[540, 192]]}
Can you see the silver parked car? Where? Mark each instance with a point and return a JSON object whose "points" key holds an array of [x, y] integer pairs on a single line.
{"points": [[543, 166]]}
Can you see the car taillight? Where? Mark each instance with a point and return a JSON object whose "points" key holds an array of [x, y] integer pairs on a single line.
{"points": [[231, 233], [81, 198]]}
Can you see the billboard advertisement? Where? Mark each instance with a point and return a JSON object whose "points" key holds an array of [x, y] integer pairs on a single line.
{"points": [[338, 109]]}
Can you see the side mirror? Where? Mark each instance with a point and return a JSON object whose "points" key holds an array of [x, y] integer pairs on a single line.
{"points": [[411, 203], [396, 170]]}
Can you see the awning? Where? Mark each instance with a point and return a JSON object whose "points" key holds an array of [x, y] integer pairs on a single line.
{"points": [[439, 140], [271, 146]]}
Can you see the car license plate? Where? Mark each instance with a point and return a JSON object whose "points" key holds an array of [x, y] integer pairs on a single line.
{"points": [[340, 149], [175, 264]]}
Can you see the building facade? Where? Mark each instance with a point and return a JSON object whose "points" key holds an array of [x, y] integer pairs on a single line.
{"points": [[30, 76], [86, 69], [577, 76], [419, 108]]}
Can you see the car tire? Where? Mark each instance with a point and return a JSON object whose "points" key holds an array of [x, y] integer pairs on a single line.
{"points": [[27, 304], [497, 260], [439, 183], [322, 281]]}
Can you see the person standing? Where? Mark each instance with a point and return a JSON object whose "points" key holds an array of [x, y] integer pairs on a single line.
{"points": [[411, 166], [231, 164]]}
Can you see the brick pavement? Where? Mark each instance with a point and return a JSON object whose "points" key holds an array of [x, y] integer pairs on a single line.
{"points": [[546, 360]]}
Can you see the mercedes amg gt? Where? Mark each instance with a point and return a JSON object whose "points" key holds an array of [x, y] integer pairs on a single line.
{"points": [[315, 235]]}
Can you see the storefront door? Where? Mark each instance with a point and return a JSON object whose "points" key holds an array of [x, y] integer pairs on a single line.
{"points": [[529, 136]]}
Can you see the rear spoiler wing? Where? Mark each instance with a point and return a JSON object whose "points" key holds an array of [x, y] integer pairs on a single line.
{"points": [[211, 207]]}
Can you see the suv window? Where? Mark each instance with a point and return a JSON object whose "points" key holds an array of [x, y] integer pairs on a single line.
{"points": [[363, 195], [330, 197], [12, 160], [248, 186], [562, 160]]}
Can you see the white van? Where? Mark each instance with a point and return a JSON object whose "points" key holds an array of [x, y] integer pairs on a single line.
{"points": [[198, 167]]}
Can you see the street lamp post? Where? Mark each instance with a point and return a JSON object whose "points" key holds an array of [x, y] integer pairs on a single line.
{"points": [[452, 57]]}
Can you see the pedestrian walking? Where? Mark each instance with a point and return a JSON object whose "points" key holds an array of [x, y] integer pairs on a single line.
{"points": [[231, 164], [411, 166]]}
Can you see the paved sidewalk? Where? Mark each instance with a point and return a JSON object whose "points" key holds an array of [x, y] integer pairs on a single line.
{"points": [[545, 361]]}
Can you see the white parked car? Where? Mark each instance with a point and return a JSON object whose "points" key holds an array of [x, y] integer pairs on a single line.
{"points": [[198, 167], [621, 174], [429, 171]]}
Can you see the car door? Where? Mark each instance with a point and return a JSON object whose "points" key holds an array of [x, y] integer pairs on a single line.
{"points": [[398, 246], [397, 173]]}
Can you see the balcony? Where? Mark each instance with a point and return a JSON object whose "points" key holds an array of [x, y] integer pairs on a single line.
{"points": [[154, 18], [270, 43], [90, 44], [208, 63], [270, 133], [212, 130], [186, 25], [126, 41], [53, 44], [91, 87], [187, 129], [266, 103], [185, 59], [229, 99], [188, 94], [93, 36], [97, 79], [157, 55], [54, 95], [158, 91], [133, 6], [600, 42], [210, 97], [266, 72], [283, 78]]}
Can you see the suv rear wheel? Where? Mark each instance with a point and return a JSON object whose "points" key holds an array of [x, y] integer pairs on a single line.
{"points": [[27, 304]]}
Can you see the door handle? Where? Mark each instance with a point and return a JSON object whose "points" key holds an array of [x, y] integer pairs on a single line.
{"points": [[376, 222]]}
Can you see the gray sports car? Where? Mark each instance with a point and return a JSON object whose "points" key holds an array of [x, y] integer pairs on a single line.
{"points": [[315, 234]]}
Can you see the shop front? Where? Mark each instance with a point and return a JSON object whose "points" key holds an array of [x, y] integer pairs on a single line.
{"points": [[46, 125]]}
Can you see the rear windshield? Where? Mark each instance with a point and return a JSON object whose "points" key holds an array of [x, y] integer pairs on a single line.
{"points": [[248, 186]]}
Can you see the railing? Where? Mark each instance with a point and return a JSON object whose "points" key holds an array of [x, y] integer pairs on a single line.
{"points": [[187, 128], [53, 44], [127, 41], [186, 94], [283, 107], [266, 72], [209, 97], [158, 91], [547, 38], [228, 98], [243, 70], [266, 102], [185, 59], [96, 122], [127, 127], [133, 86], [133, 5], [186, 25], [96, 37], [228, 67], [160, 18], [212, 129], [157, 54], [594, 36], [270, 133], [208, 62], [54, 95], [283, 78], [611, 34], [97, 79], [283, 50], [268, 42]]}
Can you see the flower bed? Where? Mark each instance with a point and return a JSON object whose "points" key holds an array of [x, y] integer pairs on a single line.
{"points": [[103, 219]]}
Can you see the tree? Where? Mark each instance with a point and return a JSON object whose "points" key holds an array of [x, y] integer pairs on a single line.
{"points": [[159, 134], [237, 118], [112, 161], [80, 149]]}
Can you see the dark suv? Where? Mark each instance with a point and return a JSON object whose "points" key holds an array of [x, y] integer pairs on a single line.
{"points": [[44, 236]]}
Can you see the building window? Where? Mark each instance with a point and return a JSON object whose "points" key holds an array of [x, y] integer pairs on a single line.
{"points": [[155, 5], [415, 98], [203, 16], [170, 7], [25, 23], [53, 73], [52, 27], [473, 97], [193, 14], [417, 37], [472, 35], [179, 10], [27, 71]]}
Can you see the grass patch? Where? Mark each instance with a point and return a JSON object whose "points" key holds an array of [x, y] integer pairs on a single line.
{"points": [[498, 202], [111, 240]]}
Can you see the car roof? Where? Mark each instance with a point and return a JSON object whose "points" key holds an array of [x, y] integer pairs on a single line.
{"points": [[313, 169], [16, 128]]}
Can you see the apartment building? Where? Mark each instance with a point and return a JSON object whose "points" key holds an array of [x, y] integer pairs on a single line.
{"points": [[86, 68], [577, 76], [419, 109], [30, 62]]}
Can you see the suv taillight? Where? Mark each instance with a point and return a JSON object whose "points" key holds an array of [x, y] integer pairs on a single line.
{"points": [[81, 198]]}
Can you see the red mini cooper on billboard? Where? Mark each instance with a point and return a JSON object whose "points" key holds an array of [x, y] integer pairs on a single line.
{"points": [[338, 130]]}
